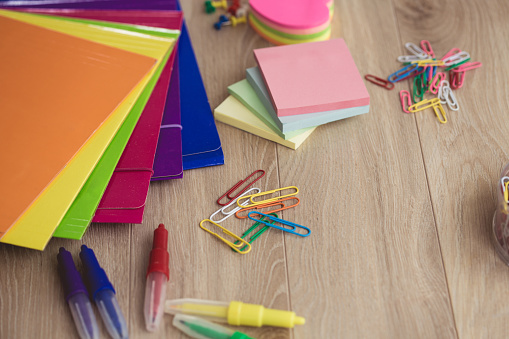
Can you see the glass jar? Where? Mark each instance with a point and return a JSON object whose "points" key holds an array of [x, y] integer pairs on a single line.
{"points": [[501, 217]]}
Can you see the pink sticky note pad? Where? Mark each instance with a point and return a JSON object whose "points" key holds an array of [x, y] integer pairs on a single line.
{"points": [[301, 14], [311, 77]]}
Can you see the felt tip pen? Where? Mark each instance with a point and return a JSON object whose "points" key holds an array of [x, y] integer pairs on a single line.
{"points": [[198, 328], [103, 294], [158, 274], [77, 296], [234, 313]]}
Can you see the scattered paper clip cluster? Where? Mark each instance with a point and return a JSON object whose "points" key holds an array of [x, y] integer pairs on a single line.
{"points": [[236, 13], [246, 204], [423, 66]]}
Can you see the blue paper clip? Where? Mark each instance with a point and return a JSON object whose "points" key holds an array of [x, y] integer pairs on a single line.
{"points": [[293, 226], [406, 72]]}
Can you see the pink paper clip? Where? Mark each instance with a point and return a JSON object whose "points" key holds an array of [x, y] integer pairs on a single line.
{"points": [[467, 67], [435, 83], [402, 95], [451, 52], [426, 47]]}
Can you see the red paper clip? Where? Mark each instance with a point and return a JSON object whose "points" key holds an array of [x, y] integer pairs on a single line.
{"points": [[457, 79], [426, 47], [402, 95], [379, 82], [237, 185]]}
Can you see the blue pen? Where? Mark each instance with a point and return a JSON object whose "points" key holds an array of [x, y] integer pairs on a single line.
{"points": [[77, 296], [103, 293]]}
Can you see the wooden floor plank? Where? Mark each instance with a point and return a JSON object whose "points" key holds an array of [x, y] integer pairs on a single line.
{"points": [[464, 157], [372, 267]]}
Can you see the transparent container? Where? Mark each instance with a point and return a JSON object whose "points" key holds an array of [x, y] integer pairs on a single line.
{"points": [[501, 217]]}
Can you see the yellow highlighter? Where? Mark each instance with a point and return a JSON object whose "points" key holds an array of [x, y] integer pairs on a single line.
{"points": [[234, 313]]}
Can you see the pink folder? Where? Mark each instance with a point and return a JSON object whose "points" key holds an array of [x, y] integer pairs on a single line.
{"points": [[124, 198]]}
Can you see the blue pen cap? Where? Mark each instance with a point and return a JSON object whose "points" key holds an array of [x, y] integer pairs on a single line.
{"points": [[71, 278], [95, 277]]}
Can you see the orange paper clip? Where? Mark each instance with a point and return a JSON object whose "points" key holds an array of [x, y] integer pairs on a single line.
{"points": [[237, 185], [271, 204], [379, 81]]}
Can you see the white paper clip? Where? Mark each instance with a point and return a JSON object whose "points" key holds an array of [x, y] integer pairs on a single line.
{"points": [[416, 50], [456, 58], [446, 96], [222, 210], [408, 58]]}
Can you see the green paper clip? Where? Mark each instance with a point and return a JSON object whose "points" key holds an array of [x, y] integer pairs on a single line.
{"points": [[257, 234], [456, 65], [418, 90]]}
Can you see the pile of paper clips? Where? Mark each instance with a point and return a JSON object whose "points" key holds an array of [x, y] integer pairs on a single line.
{"points": [[244, 205], [423, 66]]}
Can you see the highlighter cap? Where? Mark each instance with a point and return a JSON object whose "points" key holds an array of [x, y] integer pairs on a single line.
{"points": [[159, 256], [71, 278], [95, 277]]}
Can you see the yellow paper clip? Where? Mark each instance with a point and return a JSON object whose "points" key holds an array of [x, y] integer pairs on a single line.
{"points": [[440, 113], [422, 105], [428, 63], [255, 203], [505, 184], [239, 241]]}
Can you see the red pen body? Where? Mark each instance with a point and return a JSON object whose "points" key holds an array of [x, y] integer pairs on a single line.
{"points": [[158, 274]]}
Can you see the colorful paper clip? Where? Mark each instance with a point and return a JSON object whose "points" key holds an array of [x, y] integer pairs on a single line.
{"points": [[426, 47], [428, 63], [451, 52], [457, 75], [456, 59], [226, 214], [255, 236], [416, 50], [418, 89], [255, 203], [435, 104], [271, 204], [404, 95], [241, 243], [237, 185], [408, 58], [505, 188], [446, 96], [435, 83], [406, 72], [292, 226], [424, 104], [379, 82]]}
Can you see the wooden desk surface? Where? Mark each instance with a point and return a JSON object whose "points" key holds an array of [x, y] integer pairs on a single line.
{"points": [[400, 206]]}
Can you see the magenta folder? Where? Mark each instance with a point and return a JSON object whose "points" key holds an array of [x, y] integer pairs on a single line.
{"points": [[124, 198]]}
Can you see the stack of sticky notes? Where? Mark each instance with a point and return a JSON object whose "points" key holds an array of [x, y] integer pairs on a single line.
{"points": [[97, 96], [294, 89], [285, 22]]}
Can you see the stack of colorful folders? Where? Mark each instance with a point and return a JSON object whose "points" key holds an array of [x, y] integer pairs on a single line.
{"points": [[294, 89], [286, 22], [96, 109]]}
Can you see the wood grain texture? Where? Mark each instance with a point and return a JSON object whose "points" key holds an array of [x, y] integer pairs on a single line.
{"points": [[399, 205], [464, 158]]}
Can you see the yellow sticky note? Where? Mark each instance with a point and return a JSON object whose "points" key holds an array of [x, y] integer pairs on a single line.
{"points": [[232, 112], [36, 226]]}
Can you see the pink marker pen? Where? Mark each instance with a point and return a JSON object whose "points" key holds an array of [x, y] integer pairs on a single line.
{"points": [[158, 274]]}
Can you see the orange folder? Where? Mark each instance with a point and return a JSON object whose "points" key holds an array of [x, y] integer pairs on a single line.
{"points": [[55, 91]]}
